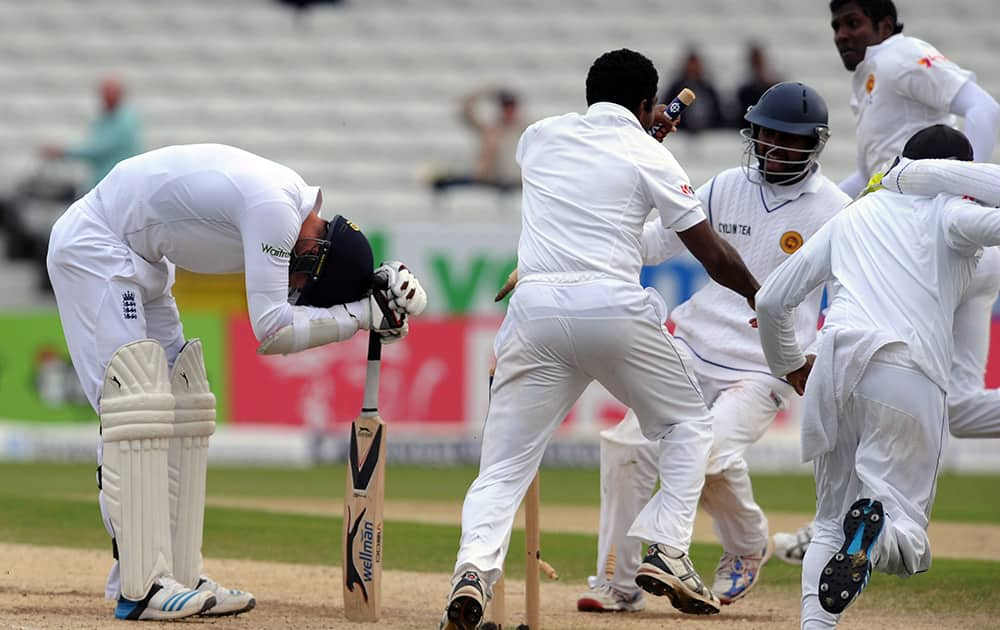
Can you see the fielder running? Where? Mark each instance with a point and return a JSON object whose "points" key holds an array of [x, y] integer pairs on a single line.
{"points": [[209, 209], [765, 210], [874, 419], [580, 314], [901, 85], [973, 412]]}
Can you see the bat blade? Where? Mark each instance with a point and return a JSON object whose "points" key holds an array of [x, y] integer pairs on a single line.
{"points": [[364, 498], [363, 520]]}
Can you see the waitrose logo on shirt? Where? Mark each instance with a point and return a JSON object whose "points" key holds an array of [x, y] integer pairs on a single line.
{"points": [[277, 252]]}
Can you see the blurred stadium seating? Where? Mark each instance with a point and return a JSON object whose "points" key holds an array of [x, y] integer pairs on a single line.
{"points": [[362, 97]]}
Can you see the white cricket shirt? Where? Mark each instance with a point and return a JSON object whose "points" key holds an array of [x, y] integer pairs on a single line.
{"points": [[590, 181], [211, 208], [902, 86], [973, 318], [896, 264], [766, 224]]}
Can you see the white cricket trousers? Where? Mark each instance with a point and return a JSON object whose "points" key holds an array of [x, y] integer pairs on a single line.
{"points": [[547, 354], [107, 297], [889, 441], [742, 409]]}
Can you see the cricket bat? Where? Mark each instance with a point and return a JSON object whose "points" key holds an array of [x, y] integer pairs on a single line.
{"points": [[676, 107], [364, 501]]}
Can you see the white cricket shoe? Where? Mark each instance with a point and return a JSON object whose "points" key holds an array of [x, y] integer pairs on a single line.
{"points": [[605, 597], [167, 599], [666, 571], [228, 601], [736, 575], [792, 547]]}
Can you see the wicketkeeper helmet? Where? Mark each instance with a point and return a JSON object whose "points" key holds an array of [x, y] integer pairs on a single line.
{"points": [[789, 107]]}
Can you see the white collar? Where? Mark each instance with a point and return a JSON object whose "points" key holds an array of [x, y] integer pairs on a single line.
{"points": [[776, 193], [885, 44], [605, 108]]}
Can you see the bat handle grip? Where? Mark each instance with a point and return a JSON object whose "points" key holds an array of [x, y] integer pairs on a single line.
{"points": [[675, 108], [374, 346]]}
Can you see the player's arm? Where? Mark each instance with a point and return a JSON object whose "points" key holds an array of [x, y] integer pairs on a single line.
{"points": [[981, 114], [720, 259], [943, 86], [784, 289], [659, 243], [269, 233], [930, 178], [681, 211], [973, 411], [969, 226]]}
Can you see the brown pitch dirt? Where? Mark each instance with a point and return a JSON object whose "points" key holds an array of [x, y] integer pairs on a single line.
{"points": [[51, 588]]}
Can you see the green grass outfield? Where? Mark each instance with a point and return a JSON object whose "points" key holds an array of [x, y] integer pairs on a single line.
{"points": [[42, 504]]}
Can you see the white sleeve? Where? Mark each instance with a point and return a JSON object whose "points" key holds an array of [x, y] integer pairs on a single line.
{"points": [[671, 193], [934, 81], [972, 410], [786, 288], [971, 329], [659, 243], [929, 178], [853, 184], [969, 226], [982, 119], [526, 137], [269, 232]]}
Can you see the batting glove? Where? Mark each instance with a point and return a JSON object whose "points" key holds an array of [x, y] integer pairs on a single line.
{"points": [[404, 293], [390, 325]]}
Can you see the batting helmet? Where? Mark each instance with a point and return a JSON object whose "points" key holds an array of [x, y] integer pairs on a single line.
{"points": [[339, 267], [789, 107]]}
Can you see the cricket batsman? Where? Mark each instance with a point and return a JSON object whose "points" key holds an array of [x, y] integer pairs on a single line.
{"points": [[214, 209]]}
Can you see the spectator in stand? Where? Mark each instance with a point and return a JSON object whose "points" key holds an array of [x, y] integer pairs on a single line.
{"points": [[495, 165], [704, 113], [760, 78], [113, 137]]}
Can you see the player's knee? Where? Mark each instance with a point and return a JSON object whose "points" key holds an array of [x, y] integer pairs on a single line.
{"points": [[194, 402], [136, 400], [613, 454]]}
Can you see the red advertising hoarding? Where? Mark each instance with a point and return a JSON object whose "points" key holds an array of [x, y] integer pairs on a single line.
{"points": [[424, 379], [437, 376]]}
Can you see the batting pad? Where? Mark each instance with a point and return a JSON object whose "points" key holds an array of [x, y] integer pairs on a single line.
{"points": [[194, 422], [137, 413]]}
